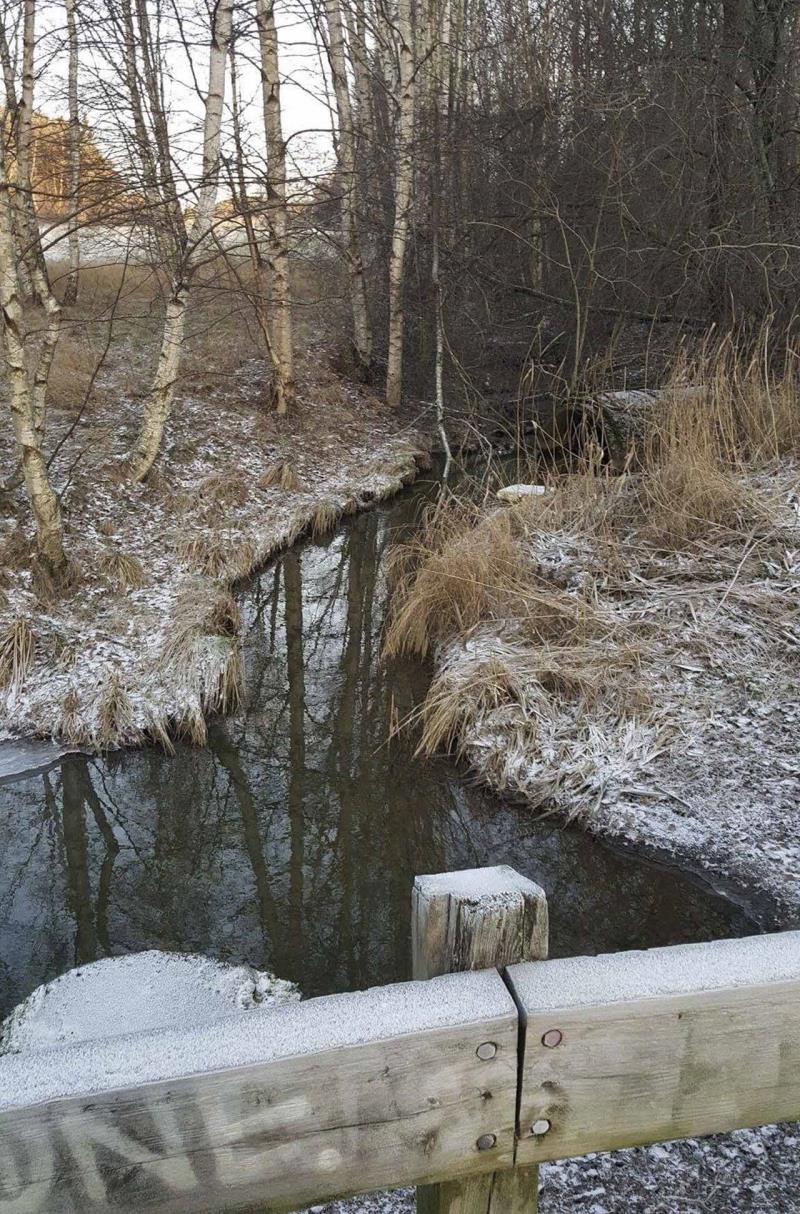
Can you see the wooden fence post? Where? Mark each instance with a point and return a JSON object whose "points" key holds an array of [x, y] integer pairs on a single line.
{"points": [[472, 920]]}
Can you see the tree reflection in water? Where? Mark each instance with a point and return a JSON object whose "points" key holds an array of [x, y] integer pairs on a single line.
{"points": [[292, 840]]}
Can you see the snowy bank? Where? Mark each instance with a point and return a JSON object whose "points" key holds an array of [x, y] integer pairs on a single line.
{"points": [[649, 691], [145, 643]]}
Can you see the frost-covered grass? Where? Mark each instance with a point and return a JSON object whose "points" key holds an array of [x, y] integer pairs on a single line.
{"points": [[144, 643], [624, 649]]}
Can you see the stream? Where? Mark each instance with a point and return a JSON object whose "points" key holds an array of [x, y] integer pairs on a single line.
{"points": [[291, 841]]}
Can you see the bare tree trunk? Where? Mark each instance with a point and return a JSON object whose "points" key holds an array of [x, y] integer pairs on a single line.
{"points": [[22, 265], [243, 205], [359, 57], [439, 33], [74, 164], [159, 400], [46, 510], [277, 215], [403, 191], [25, 111], [158, 404], [362, 334]]}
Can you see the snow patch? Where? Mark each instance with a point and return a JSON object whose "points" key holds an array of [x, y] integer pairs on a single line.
{"points": [[138, 993], [289, 1030]]}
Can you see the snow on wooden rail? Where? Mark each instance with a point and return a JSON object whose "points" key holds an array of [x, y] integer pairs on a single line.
{"points": [[419, 1082], [642, 1047], [343, 1093]]}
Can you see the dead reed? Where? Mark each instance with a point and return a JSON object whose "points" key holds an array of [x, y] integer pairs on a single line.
{"points": [[280, 475], [17, 649]]}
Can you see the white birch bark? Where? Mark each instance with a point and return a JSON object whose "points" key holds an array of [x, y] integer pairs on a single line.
{"points": [[346, 155], [437, 53], [403, 195], [74, 155], [158, 405], [260, 278], [46, 510], [30, 272], [277, 213], [357, 36]]}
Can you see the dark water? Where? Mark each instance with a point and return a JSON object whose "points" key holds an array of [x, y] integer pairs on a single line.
{"points": [[292, 840]]}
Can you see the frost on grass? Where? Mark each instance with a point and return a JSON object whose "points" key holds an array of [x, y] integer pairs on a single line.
{"points": [[138, 993], [644, 684], [137, 650]]}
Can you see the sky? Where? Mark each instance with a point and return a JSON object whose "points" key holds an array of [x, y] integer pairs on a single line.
{"points": [[306, 113]]}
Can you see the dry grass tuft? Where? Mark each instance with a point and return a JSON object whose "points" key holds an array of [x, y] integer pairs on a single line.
{"points": [[326, 516], [157, 733], [219, 492], [465, 568], [217, 556], [557, 620], [192, 726], [280, 475], [17, 650], [123, 569], [204, 653], [73, 728], [225, 618], [224, 686], [297, 525], [115, 718]]}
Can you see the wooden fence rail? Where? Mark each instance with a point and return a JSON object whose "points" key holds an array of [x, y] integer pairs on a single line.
{"points": [[459, 1082]]}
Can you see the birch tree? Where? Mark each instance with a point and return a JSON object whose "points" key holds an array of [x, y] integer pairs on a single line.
{"points": [[245, 209], [186, 240], [73, 154], [280, 288], [27, 357], [346, 158], [403, 195]]}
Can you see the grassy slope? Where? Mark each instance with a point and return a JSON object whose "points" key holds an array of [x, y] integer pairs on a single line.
{"points": [[624, 648], [145, 642]]}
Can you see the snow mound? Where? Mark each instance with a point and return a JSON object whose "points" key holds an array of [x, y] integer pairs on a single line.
{"points": [[137, 993], [516, 493]]}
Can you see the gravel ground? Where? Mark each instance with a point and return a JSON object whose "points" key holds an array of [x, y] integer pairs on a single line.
{"points": [[750, 1172]]}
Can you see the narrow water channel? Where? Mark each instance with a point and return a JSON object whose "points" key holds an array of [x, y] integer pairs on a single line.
{"points": [[292, 840]]}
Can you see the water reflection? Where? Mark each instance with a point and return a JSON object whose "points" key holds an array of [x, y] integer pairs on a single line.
{"points": [[291, 841]]}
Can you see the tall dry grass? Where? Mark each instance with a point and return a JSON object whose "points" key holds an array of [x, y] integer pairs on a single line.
{"points": [[521, 602], [700, 448]]}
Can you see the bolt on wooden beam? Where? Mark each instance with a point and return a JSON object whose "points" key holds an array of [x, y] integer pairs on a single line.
{"points": [[475, 919]]}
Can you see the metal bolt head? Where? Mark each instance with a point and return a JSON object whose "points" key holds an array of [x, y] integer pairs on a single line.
{"points": [[486, 1142], [552, 1038], [486, 1050], [540, 1127]]}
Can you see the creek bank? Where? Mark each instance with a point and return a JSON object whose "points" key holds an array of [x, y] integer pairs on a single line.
{"points": [[146, 642], [648, 692]]}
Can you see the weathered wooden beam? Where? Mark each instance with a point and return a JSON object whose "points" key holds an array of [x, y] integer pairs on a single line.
{"points": [[272, 1109], [467, 921], [476, 919], [643, 1047]]}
